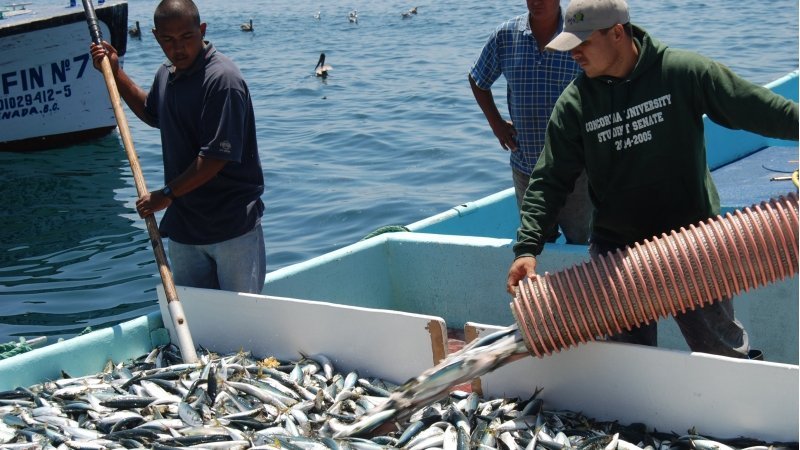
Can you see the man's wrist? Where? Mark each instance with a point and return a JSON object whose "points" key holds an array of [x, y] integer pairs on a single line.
{"points": [[167, 192]]}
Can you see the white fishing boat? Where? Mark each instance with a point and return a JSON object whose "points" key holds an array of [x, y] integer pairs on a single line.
{"points": [[383, 306], [50, 95]]}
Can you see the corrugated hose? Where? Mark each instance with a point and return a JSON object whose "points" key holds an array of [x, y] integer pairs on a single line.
{"points": [[667, 275]]}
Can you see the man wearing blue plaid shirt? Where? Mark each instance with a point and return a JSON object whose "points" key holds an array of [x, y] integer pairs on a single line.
{"points": [[535, 78]]}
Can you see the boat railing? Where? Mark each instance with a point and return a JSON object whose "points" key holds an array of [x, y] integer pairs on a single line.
{"points": [[14, 9]]}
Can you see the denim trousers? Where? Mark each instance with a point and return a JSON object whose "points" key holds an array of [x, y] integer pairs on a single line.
{"points": [[710, 329], [238, 264], [575, 218]]}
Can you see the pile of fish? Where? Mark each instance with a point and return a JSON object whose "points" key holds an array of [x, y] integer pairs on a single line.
{"points": [[479, 357], [239, 401]]}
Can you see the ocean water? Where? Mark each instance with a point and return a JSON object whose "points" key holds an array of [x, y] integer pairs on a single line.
{"points": [[392, 136]]}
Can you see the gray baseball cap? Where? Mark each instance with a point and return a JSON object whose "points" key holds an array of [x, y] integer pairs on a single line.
{"points": [[584, 17]]}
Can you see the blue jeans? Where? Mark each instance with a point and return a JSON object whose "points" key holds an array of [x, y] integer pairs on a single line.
{"points": [[238, 264], [575, 218]]}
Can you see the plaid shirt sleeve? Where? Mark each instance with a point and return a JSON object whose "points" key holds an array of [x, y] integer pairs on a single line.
{"points": [[487, 69]]}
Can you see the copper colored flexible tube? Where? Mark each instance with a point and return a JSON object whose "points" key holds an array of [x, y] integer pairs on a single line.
{"points": [[667, 275]]}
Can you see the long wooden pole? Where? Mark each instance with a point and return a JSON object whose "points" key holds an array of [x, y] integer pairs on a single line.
{"points": [[185, 342]]}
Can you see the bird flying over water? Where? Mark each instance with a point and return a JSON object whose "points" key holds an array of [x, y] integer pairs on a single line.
{"points": [[321, 69]]}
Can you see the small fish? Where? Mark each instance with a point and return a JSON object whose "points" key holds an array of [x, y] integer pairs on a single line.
{"points": [[189, 415], [365, 426], [450, 438], [260, 394], [127, 401]]}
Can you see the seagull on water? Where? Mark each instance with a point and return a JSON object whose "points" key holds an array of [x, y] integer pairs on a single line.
{"points": [[247, 26]]}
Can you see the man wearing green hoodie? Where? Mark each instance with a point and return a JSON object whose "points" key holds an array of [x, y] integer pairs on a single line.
{"points": [[633, 121]]}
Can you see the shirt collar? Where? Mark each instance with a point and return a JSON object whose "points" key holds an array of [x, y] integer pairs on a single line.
{"points": [[525, 25]]}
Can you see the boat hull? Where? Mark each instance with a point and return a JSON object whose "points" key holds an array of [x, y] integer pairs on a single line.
{"points": [[50, 95]]}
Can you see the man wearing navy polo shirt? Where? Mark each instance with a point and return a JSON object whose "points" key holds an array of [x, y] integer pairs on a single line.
{"points": [[213, 175], [535, 79]]}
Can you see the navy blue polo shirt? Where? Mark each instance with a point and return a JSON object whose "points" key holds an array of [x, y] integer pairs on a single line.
{"points": [[207, 111]]}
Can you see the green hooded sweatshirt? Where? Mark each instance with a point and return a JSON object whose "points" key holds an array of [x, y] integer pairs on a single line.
{"points": [[641, 141]]}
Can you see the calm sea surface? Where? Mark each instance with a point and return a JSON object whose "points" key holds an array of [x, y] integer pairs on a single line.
{"points": [[391, 137]]}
